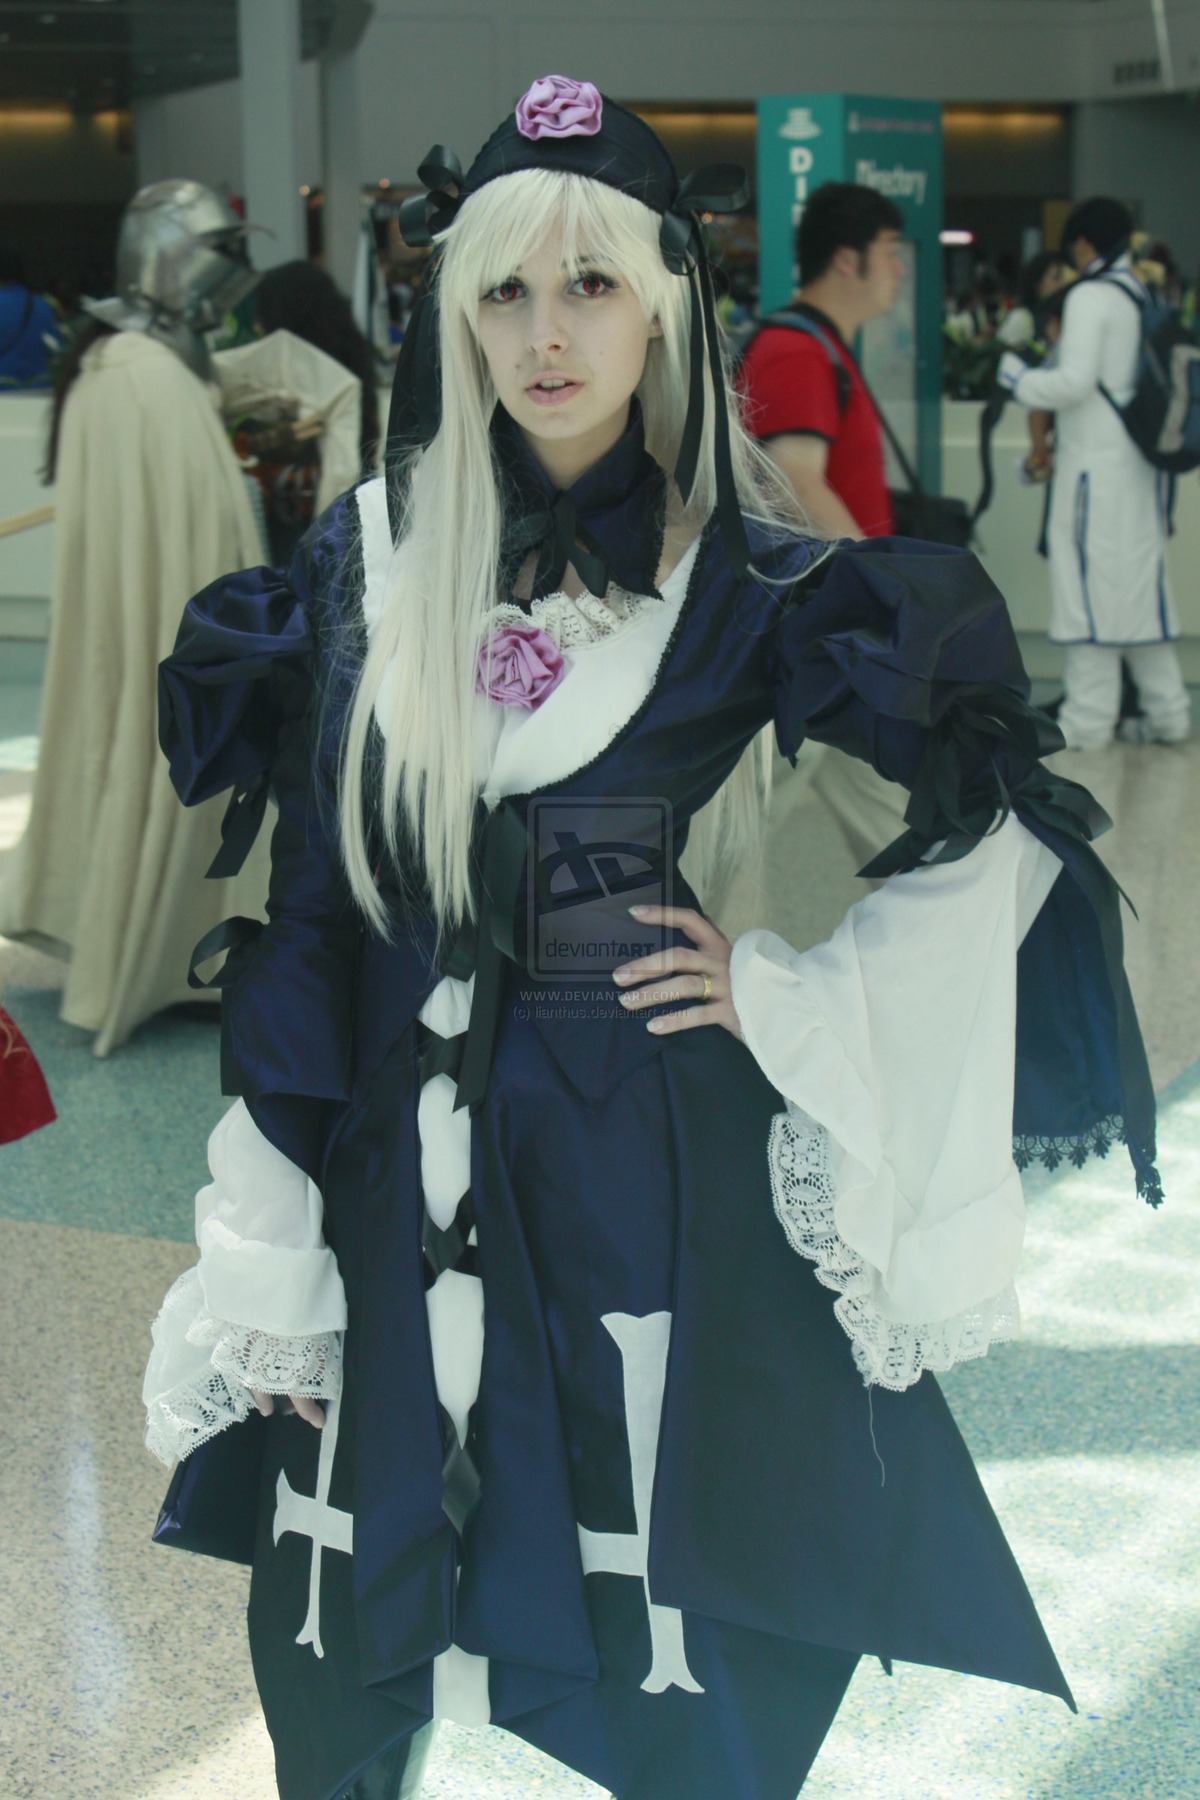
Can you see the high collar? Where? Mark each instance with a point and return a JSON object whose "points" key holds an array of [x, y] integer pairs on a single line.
{"points": [[609, 524]]}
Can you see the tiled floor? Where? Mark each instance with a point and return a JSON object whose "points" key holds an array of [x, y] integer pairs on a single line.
{"points": [[123, 1668]]}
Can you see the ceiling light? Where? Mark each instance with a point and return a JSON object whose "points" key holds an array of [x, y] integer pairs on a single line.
{"points": [[956, 239], [46, 118]]}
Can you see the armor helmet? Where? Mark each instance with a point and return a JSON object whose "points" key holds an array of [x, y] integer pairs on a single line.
{"points": [[181, 264]]}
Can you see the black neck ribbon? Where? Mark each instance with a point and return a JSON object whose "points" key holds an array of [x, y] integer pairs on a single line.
{"points": [[609, 525]]}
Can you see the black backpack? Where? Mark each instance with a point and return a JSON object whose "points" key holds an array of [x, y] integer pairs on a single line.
{"points": [[937, 518], [1163, 417]]}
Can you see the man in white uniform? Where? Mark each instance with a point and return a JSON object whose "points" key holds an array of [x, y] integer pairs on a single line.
{"points": [[1108, 526]]}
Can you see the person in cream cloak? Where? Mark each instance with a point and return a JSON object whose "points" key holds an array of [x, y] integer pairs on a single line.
{"points": [[150, 503]]}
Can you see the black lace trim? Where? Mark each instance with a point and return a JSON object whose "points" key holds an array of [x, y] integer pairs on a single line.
{"points": [[1098, 1140]]}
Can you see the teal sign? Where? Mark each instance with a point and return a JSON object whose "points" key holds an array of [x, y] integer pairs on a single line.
{"points": [[894, 146]]}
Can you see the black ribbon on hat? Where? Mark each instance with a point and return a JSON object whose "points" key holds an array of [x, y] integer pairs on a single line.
{"points": [[719, 187], [422, 216]]}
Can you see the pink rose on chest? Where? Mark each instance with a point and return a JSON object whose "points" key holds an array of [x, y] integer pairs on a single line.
{"points": [[519, 666]]}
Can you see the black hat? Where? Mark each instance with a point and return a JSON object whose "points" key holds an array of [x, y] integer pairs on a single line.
{"points": [[570, 126]]}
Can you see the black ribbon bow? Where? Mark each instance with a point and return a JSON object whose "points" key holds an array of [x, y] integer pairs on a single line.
{"points": [[953, 804], [609, 525], [423, 216]]}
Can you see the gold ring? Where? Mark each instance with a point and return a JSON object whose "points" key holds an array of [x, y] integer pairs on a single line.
{"points": [[707, 994]]}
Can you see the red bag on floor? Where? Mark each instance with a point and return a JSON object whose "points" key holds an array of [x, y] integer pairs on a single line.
{"points": [[25, 1103]]}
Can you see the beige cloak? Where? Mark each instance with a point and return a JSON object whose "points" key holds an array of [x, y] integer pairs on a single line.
{"points": [[151, 506]]}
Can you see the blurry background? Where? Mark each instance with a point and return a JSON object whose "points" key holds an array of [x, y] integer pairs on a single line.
{"points": [[311, 116]]}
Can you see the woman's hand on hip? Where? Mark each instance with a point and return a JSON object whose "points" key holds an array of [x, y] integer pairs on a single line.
{"points": [[700, 974]]}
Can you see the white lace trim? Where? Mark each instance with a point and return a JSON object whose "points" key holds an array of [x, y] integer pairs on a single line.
{"points": [[891, 1354], [217, 1394], [574, 622]]}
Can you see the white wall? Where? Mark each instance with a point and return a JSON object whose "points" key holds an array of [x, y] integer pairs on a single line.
{"points": [[445, 71], [430, 63], [445, 74], [198, 135], [1148, 152]]}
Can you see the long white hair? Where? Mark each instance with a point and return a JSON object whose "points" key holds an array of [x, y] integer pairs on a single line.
{"points": [[420, 668]]}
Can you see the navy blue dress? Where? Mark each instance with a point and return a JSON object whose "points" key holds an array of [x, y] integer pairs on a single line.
{"points": [[621, 1204]]}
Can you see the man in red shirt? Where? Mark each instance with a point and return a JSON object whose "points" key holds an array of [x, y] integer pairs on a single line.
{"points": [[805, 398], [806, 402]]}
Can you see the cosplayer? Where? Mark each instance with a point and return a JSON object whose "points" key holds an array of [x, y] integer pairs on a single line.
{"points": [[150, 504], [612, 1295], [1109, 521]]}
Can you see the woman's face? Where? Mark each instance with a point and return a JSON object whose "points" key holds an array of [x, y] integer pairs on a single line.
{"points": [[565, 353]]}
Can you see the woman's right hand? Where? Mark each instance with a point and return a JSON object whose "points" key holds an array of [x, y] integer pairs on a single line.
{"points": [[309, 1409]]}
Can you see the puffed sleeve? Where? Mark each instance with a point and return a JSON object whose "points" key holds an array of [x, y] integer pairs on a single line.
{"points": [[250, 700], [258, 672], [972, 1012]]}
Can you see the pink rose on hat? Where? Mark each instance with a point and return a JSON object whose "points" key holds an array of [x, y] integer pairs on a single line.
{"points": [[519, 666], [557, 107]]}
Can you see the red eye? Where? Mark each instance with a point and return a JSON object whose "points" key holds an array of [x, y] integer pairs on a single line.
{"points": [[507, 290], [592, 285]]}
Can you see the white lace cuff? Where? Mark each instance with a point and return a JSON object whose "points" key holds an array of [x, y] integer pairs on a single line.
{"points": [[202, 1369], [891, 1352]]}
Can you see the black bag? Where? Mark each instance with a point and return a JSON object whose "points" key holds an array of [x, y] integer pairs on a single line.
{"points": [[1163, 416], [937, 518]]}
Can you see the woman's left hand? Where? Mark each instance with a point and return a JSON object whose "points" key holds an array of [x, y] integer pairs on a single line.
{"points": [[701, 974]]}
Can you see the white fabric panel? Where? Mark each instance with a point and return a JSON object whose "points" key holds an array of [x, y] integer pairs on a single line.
{"points": [[371, 499], [256, 1188], [267, 1286], [898, 1037], [263, 1260], [444, 1135], [448, 1009], [455, 1307], [603, 687], [263, 1308], [460, 1687], [445, 1149]]}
